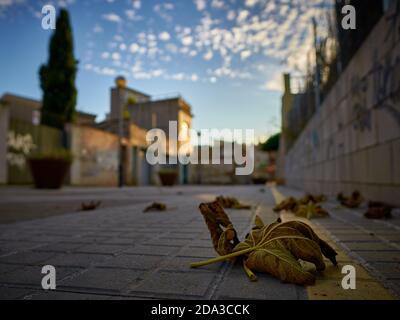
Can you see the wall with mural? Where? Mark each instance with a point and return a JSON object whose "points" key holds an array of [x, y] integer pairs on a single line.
{"points": [[353, 140], [95, 156]]}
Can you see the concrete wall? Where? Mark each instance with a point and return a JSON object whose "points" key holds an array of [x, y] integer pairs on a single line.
{"points": [[95, 156], [4, 116], [353, 141]]}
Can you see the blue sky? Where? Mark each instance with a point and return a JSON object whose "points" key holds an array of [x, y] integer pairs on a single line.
{"points": [[225, 57]]}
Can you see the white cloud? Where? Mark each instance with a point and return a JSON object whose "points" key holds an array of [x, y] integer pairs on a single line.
{"points": [[208, 56], [200, 4], [194, 77], [242, 16], [251, 3], [178, 76], [97, 28], [136, 4], [187, 41], [274, 84], [105, 55], [231, 15], [164, 36], [245, 54], [157, 73], [217, 4], [134, 47], [116, 56], [5, 3], [112, 17]]}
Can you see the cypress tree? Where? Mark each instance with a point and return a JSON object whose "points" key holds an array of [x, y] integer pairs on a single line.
{"points": [[57, 77]]}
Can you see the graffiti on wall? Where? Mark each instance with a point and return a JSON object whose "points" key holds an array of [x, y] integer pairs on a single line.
{"points": [[386, 87], [19, 147], [362, 115]]}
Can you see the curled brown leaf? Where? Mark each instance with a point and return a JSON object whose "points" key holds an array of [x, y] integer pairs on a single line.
{"points": [[222, 232], [232, 203]]}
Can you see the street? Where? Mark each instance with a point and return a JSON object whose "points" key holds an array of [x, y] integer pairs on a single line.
{"points": [[119, 252]]}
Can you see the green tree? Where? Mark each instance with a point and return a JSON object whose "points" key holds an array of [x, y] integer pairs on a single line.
{"points": [[57, 77], [272, 143]]}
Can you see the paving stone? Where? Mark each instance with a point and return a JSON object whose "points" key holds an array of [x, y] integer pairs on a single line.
{"points": [[163, 284], [32, 275], [7, 293], [140, 262], [16, 246], [380, 256], [101, 248], [82, 260], [61, 295], [356, 237], [236, 285], [154, 250], [167, 242], [59, 247], [4, 268], [27, 258], [104, 280], [182, 264], [196, 252], [369, 246], [390, 270]]}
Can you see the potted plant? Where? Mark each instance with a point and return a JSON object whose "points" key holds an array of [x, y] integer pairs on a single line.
{"points": [[50, 169], [168, 177]]}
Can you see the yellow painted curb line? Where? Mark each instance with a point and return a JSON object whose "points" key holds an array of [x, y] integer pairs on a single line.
{"points": [[328, 285]]}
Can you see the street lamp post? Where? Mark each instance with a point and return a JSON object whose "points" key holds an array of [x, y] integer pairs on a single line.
{"points": [[121, 84], [199, 158]]}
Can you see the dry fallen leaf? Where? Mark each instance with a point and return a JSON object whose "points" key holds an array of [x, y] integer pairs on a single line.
{"points": [[276, 249], [312, 198], [378, 210], [310, 211], [156, 207], [92, 205], [223, 235], [232, 203], [352, 202], [288, 204], [306, 207]]}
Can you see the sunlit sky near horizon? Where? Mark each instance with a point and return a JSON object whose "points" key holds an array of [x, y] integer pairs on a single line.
{"points": [[225, 57]]}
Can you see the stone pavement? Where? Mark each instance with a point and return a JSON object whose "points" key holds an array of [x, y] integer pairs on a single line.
{"points": [[119, 252], [373, 244]]}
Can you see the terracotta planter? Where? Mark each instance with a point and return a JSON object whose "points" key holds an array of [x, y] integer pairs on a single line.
{"points": [[49, 173], [168, 178]]}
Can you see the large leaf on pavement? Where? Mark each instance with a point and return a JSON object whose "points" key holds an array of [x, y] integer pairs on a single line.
{"points": [[276, 249]]}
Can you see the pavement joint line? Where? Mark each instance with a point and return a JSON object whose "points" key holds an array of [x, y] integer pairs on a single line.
{"points": [[212, 290], [388, 242], [353, 254], [321, 285]]}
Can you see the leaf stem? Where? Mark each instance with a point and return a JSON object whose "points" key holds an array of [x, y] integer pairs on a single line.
{"points": [[222, 258], [249, 273]]}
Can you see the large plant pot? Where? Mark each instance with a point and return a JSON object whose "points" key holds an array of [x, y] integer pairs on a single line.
{"points": [[168, 178], [49, 173]]}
